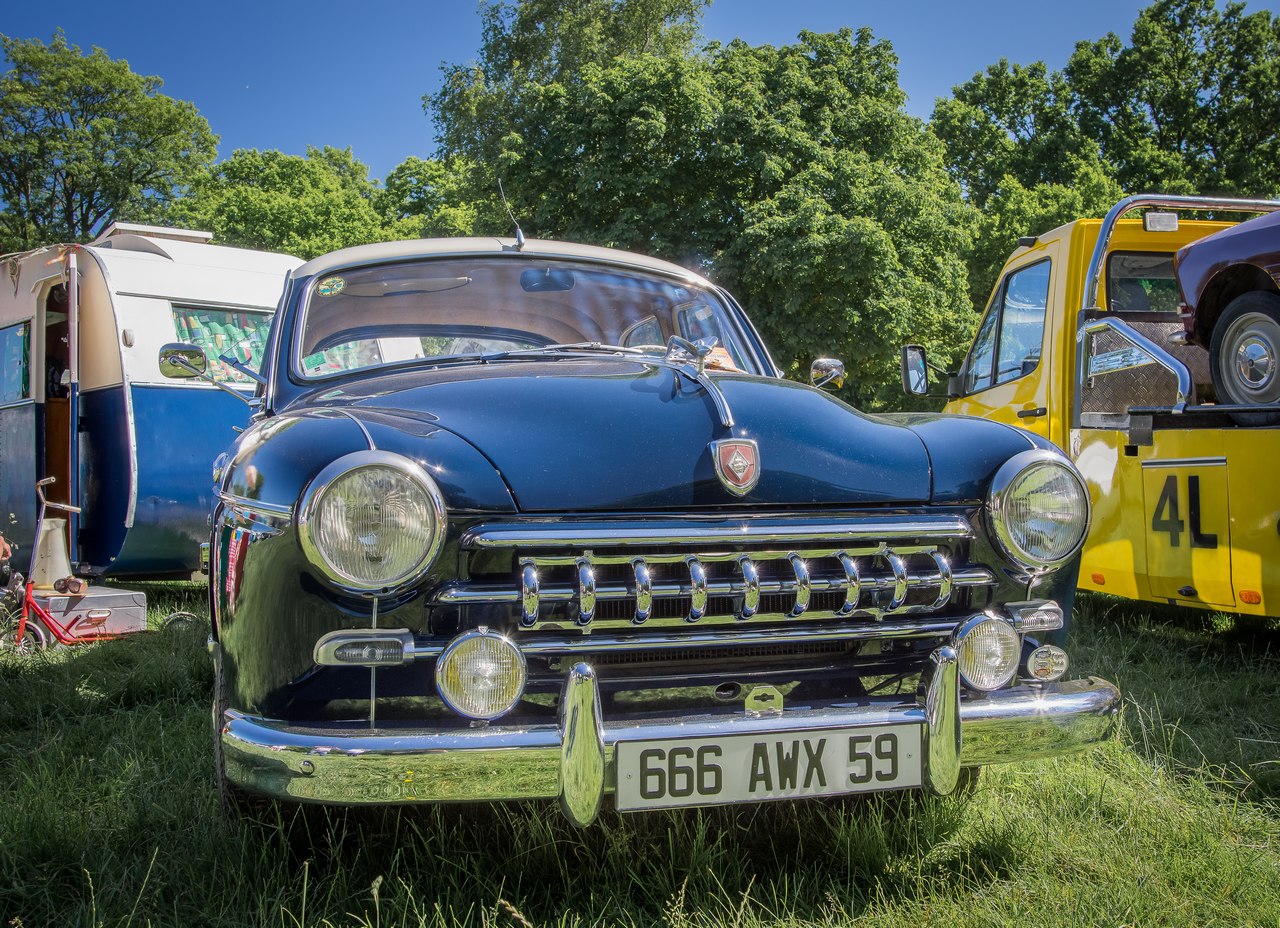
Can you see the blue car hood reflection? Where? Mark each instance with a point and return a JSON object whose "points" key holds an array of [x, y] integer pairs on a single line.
{"points": [[615, 435]]}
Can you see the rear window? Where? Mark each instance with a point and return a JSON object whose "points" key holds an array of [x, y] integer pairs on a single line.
{"points": [[1141, 282]]}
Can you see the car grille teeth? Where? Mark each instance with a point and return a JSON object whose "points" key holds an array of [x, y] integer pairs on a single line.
{"points": [[590, 590]]}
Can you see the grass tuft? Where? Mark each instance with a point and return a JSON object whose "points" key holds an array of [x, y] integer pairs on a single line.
{"points": [[111, 817]]}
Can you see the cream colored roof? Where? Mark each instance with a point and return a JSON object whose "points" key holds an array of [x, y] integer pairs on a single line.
{"points": [[445, 247]]}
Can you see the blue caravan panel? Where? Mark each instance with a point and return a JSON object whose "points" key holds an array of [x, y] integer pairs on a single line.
{"points": [[180, 430]]}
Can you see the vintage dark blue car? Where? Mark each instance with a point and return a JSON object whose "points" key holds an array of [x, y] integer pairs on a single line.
{"points": [[523, 519]]}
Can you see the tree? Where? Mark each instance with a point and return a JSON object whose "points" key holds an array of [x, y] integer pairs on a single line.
{"points": [[791, 175], [1190, 105], [436, 197], [278, 202], [84, 140]]}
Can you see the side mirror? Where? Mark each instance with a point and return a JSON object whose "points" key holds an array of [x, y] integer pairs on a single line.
{"points": [[827, 372], [183, 361], [915, 371]]}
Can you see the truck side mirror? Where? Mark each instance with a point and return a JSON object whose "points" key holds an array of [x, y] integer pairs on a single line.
{"points": [[827, 372], [181, 360], [915, 371]]}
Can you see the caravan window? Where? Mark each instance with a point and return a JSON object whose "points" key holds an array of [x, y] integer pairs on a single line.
{"points": [[15, 355], [236, 332]]}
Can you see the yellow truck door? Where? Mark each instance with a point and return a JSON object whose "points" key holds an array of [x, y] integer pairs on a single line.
{"points": [[1008, 373]]}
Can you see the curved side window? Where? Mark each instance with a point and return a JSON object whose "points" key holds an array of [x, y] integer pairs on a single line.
{"points": [[1009, 339]]}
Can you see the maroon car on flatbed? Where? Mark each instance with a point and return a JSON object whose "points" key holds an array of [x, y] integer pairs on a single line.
{"points": [[1230, 291]]}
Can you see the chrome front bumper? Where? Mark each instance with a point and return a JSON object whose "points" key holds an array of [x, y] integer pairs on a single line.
{"points": [[574, 759]]}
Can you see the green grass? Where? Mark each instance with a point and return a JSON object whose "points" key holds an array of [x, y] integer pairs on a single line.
{"points": [[110, 817]]}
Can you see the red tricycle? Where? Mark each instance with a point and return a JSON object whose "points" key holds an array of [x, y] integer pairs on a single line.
{"points": [[51, 606]]}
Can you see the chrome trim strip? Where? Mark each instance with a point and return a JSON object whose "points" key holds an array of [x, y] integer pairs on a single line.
{"points": [[697, 590], [396, 766], [1186, 462], [529, 592], [900, 584], [946, 581], [240, 502], [853, 584], [712, 556], [586, 591], [644, 591], [803, 590], [547, 644], [750, 587], [553, 534]]}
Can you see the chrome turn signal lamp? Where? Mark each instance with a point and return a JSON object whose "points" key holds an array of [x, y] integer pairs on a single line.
{"points": [[481, 674], [365, 647], [1046, 664], [1040, 615], [988, 650]]}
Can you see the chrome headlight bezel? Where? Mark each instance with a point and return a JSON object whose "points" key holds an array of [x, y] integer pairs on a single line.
{"points": [[1005, 483], [313, 495]]}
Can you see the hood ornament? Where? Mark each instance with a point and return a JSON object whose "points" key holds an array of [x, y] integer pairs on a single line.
{"points": [[737, 463]]}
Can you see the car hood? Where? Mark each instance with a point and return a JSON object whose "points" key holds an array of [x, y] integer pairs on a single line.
{"points": [[572, 434]]}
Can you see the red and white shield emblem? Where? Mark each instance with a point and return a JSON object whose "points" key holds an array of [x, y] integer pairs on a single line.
{"points": [[737, 464]]}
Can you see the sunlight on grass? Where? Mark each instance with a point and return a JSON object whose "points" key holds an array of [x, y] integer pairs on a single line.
{"points": [[112, 818]]}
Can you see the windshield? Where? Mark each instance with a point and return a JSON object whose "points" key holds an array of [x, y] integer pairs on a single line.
{"points": [[434, 309]]}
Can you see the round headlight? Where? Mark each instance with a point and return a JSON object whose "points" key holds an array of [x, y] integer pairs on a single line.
{"points": [[480, 674], [371, 521], [988, 651], [1039, 509]]}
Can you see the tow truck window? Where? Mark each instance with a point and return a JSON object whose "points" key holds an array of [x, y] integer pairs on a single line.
{"points": [[1141, 282], [1008, 343], [15, 380]]}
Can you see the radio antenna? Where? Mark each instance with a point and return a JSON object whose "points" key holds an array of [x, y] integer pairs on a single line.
{"points": [[510, 215]]}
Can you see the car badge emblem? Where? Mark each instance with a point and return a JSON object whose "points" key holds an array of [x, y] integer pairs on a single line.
{"points": [[737, 464]]}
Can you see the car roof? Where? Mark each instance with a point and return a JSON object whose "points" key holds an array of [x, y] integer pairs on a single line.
{"points": [[452, 247]]}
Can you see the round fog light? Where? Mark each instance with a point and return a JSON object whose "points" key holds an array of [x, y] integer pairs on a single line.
{"points": [[988, 650], [480, 674], [1047, 663]]}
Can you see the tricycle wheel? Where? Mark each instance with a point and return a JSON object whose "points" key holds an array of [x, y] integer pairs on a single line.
{"points": [[1244, 355], [33, 639]]}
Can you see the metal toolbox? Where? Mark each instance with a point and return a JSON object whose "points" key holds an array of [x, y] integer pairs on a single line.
{"points": [[99, 610]]}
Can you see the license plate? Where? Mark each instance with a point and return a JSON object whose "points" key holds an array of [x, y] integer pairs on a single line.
{"points": [[750, 768]]}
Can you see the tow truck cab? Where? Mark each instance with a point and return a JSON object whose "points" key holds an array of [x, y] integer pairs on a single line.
{"points": [[1082, 343]]}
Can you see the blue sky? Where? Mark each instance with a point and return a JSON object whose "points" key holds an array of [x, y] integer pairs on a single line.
{"points": [[284, 75]]}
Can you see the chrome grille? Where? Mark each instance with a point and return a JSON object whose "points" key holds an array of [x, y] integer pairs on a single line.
{"points": [[607, 575]]}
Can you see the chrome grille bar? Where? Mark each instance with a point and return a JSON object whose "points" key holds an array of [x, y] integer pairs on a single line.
{"points": [[795, 577], [791, 532]]}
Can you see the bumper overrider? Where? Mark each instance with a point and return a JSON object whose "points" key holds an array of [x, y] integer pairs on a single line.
{"points": [[576, 759]]}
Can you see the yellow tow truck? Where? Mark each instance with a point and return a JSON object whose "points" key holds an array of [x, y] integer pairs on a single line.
{"points": [[1082, 343]]}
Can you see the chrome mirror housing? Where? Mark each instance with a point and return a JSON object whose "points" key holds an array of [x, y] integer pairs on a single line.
{"points": [[827, 372], [915, 371], [184, 361]]}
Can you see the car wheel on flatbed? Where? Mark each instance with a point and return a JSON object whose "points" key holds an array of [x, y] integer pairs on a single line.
{"points": [[1244, 355]]}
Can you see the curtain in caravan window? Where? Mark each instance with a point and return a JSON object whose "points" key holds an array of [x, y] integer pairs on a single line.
{"points": [[15, 356]]}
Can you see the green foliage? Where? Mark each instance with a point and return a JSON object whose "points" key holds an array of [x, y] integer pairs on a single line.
{"points": [[84, 140], [431, 198], [790, 175], [278, 202], [1191, 105]]}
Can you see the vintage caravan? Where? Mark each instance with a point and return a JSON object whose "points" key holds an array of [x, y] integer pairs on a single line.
{"points": [[82, 398]]}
